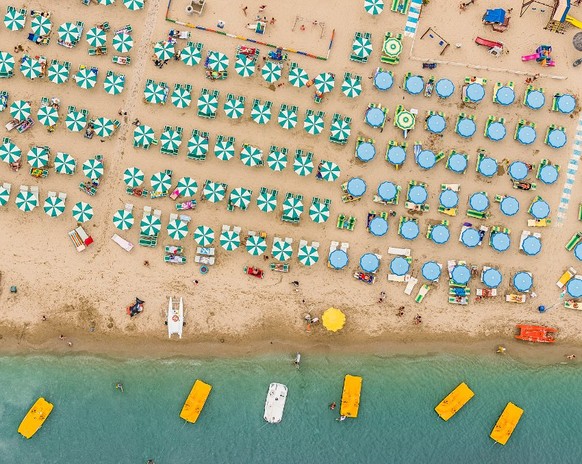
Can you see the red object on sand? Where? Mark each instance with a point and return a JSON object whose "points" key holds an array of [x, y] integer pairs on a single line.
{"points": [[536, 333]]}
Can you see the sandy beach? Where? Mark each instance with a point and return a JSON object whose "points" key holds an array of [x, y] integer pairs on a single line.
{"points": [[84, 295]]}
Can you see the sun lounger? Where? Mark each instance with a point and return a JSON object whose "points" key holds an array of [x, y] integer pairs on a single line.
{"points": [[148, 241], [566, 276], [399, 251], [127, 246], [207, 251], [574, 240], [422, 293], [279, 267], [410, 285], [396, 278], [515, 298], [204, 260]]}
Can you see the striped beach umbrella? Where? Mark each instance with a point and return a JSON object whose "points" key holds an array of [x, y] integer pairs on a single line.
{"points": [[106, 2], [374, 7], [41, 25], [69, 32], [181, 97], [14, 20], [20, 110], [75, 121], [85, 78], [324, 82], [177, 229], [26, 201], [134, 5], [329, 171], [319, 212], [30, 68], [244, 66], [267, 201], [352, 87], [82, 212], [240, 197], [405, 120], [308, 255], [298, 77], [114, 83], [214, 191], [224, 150], [58, 73], [277, 160], [207, 104], [93, 168], [47, 115], [293, 207], [54, 206], [313, 124], [261, 113], [133, 177], [65, 163], [143, 135], [122, 42], [38, 157], [340, 129], [198, 145], [271, 72], [96, 37], [217, 61], [256, 245], [204, 236], [123, 219], [234, 108], [251, 156], [4, 196], [287, 118], [6, 62], [190, 55], [281, 250], [150, 225], [9, 152], [155, 93], [161, 181], [229, 240], [362, 47], [187, 186], [170, 140], [103, 127], [303, 165]]}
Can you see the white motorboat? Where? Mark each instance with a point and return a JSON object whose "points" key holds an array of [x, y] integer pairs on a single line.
{"points": [[175, 318], [275, 403]]}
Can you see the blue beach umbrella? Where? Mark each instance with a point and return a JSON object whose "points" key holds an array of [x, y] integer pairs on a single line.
{"points": [[409, 230], [431, 271], [470, 237], [531, 245], [440, 234], [399, 266], [540, 209], [444, 88], [356, 187], [457, 163], [387, 191], [366, 151], [383, 80], [500, 241], [426, 159], [449, 198], [526, 135], [375, 117], [369, 262], [505, 96], [396, 155], [574, 287], [566, 103], [492, 277], [557, 138], [523, 281], [378, 226], [548, 174], [578, 252], [436, 123], [518, 170], [475, 92], [417, 194], [496, 131], [487, 166], [338, 259], [535, 100], [414, 85], [479, 201], [509, 206], [461, 274], [466, 127]]}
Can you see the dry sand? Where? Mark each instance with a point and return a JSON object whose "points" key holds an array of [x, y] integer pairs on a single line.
{"points": [[86, 291]]}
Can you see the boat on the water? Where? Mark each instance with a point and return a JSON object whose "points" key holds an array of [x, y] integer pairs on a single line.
{"points": [[454, 401], [175, 318], [195, 401], [536, 333], [275, 403], [351, 396], [506, 423], [35, 417]]}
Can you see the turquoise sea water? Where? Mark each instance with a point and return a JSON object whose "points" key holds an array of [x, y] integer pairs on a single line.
{"points": [[94, 423]]}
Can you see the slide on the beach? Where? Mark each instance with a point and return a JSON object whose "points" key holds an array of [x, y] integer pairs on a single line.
{"points": [[487, 43], [574, 22], [535, 56]]}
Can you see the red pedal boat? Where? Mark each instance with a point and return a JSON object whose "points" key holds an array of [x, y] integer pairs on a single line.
{"points": [[536, 333]]}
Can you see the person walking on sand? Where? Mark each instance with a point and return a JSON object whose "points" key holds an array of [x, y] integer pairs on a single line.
{"points": [[245, 10], [262, 8]]}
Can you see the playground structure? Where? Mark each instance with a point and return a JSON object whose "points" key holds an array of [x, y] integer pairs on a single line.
{"points": [[432, 34], [542, 56], [559, 16], [495, 48], [497, 18]]}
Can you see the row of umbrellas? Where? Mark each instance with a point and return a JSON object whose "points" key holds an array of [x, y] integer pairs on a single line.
{"points": [[53, 206]]}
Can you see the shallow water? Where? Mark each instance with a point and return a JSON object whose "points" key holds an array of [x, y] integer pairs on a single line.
{"points": [[92, 422]]}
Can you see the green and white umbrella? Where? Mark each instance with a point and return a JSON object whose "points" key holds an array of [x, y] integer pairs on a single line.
{"points": [[352, 87], [177, 229], [303, 165], [214, 192], [217, 61], [298, 77], [96, 37], [324, 82], [313, 124], [261, 113], [404, 120], [229, 240], [9, 152], [319, 212], [234, 108], [392, 46], [240, 197], [267, 201], [277, 160], [65, 163], [164, 50], [103, 127], [58, 73], [204, 236], [85, 78], [123, 219], [256, 245], [374, 7], [251, 156], [170, 140], [287, 118], [181, 97], [93, 168], [30, 68], [207, 104], [14, 20], [69, 32], [224, 150], [114, 83], [190, 55], [82, 212], [47, 115], [293, 207], [271, 72], [54, 206], [244, 66], [198, 145], [75, 121], [134, 5], [187, 186], [6, 62], [340, 129], [329, 171], [362, 47], [106, 2], [143, 135], [122, 42], [38, 157], [282, 251], [41, 25], [20, 109], [308, 255], [150, 225], [4, 196], [161, 182], [26, 201], [133, 177]]}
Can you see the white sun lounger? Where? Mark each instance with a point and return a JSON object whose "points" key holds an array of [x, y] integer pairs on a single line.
{"points": [[204, 260], [399, 251], [127, 246], [410, 286]]}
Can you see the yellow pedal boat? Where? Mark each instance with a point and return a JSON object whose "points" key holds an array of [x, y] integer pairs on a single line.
{"points": [[35, 417], [195, 401]]}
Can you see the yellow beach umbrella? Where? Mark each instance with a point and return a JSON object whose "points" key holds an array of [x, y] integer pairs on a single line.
{"points": [[333, 319]]}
